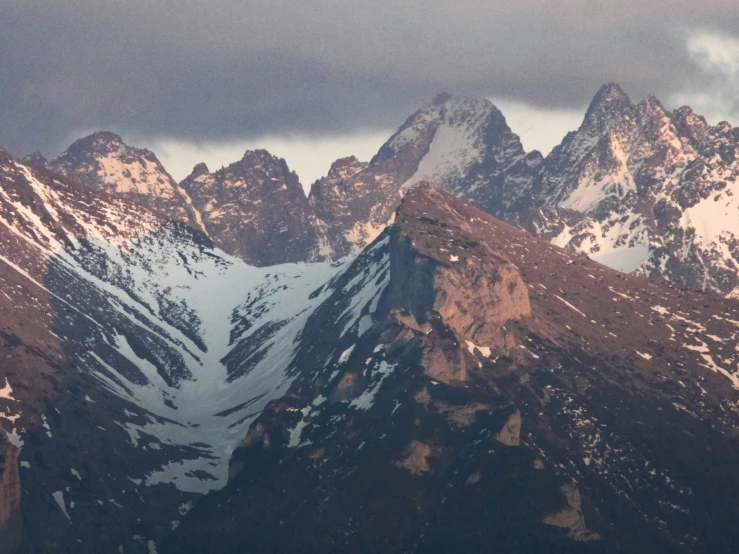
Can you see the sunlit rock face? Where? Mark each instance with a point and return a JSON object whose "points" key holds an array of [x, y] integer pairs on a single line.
{"points": [[104, 162], [256, 209]]}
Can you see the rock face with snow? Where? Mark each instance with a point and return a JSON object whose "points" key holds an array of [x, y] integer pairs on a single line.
{"points": [[463, 144], [644, 190], [103, 161], [458, 387], [133, 357], [636, 187], [256, 209]]}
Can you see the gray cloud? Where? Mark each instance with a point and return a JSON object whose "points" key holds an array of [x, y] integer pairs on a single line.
{"points": [[224, 69]]}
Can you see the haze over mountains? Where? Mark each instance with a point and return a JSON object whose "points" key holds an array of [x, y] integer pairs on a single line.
{"points": [[226, 364]]}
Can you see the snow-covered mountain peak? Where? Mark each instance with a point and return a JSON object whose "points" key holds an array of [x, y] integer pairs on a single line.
{"points": [[448, 140], [462, 143]]}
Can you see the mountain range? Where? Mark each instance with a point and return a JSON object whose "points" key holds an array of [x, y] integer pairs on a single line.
{"points": [[227, 364], [636, 187]]}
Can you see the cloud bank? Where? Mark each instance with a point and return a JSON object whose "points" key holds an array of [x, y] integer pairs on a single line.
{"points": [[223, 70]]}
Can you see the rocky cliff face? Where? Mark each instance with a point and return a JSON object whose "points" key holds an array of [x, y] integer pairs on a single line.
{"points": [[104, 162], [463, 144], [460, 387], [256, 209]]}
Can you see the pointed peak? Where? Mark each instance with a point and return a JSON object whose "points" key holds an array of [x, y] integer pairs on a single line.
{"points": [[100, 141], [610, 99], [342, 164], [652, 106], [199, 169], [259, 154], [106, 137], [610, 92]]}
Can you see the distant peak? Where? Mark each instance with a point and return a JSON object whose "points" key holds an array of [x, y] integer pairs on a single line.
{"points": [[651, 105], [259, 153], [685, 116], [345, 162], [611, 91], [199, 169], [441, 98], [609, 102], [98, 141], [609, 96]]}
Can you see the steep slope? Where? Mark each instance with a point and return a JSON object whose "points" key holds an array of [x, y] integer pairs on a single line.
{"points": [[256, 210], [464, 144], [133, 356], [644, 190], [104, 162], [460, 388]]}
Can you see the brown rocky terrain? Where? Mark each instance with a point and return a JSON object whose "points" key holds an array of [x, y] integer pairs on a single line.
{"points": [[256, 209], [466, 384]]}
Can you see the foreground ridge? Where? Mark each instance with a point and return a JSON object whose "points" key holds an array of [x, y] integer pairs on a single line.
{"points": [[460, 386]]}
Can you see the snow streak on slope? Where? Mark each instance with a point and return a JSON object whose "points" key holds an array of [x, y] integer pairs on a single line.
{"points": [[152, 311], [204, 407], [457, 143]]}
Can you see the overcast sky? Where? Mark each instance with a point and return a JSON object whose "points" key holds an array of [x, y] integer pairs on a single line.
{"points": [[317, 79]]}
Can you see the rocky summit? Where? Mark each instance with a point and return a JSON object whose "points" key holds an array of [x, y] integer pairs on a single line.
{"points": [[256, 209]]}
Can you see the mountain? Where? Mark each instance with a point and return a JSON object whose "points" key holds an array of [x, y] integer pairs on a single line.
{"points": [[644, 190], [256, 209], [133, 357], [462, 143], [636, 187], [452, 386], [103, 161], [459, 387]]}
